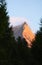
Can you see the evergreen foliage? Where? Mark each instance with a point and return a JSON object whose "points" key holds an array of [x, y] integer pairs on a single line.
{"points": [[37, 45], [6, 35]]}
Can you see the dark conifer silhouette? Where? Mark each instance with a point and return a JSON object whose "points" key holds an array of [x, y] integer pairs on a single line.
{"points": [[6, 35], [37, 45], [23, 50]]}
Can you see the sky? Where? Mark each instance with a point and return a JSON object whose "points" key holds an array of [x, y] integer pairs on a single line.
{"points": [[25, 10]]}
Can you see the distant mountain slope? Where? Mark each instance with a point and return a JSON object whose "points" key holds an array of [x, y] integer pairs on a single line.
{"points": [[24, 31]]}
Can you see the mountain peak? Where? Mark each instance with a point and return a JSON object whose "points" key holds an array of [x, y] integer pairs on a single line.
{"points": [[24, 31], [24, 23]]}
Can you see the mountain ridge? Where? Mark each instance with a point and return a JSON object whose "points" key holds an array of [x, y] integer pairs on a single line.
{"points": [[24, 31]]}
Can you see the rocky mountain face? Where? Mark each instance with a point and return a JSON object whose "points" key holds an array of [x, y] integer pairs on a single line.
{"points": [[24, 31]]}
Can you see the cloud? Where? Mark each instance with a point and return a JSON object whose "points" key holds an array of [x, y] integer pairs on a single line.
{"points": [[16, 20]]}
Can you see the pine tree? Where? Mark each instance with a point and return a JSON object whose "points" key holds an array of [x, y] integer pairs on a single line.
{"points": [[6, 34], [23, 51], [37, 45]]}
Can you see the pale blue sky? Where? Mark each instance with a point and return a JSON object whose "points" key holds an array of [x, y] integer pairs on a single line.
{"points": [[28, 9]]}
